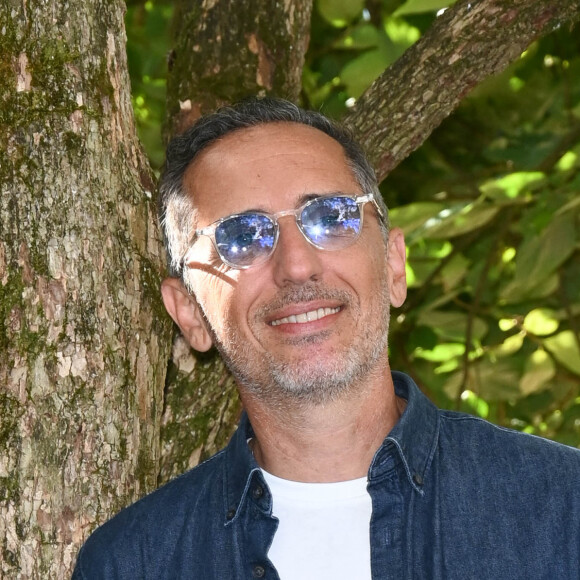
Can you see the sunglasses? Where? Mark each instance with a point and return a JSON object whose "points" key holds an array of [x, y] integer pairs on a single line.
{"points": [[330, 222]]}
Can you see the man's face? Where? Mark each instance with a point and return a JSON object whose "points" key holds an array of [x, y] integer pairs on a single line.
{"points": [[307, 324]]}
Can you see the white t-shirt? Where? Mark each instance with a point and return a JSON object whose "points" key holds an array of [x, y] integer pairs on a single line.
{"points": [[324, 529]]}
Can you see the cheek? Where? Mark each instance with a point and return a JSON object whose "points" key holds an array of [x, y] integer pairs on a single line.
{"points": [[216, 296]]}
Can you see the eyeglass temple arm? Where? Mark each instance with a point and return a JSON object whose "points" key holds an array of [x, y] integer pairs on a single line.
{"points": [[371, 197]]}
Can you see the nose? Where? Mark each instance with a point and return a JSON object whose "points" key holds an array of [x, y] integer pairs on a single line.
{"points": [[295, 260]]}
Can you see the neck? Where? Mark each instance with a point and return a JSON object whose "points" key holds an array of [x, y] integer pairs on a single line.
{"points": [[324, 443]]}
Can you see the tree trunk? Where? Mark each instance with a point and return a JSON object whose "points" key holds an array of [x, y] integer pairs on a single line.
{"points": [[471, 41], [222, 54], [225, 51], [82, 331]]}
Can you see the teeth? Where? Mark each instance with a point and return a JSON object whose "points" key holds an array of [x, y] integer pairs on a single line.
{"points": [[305, 316]]}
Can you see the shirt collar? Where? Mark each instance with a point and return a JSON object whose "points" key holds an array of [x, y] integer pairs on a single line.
{"points": [[240, 469], [414, 438]]}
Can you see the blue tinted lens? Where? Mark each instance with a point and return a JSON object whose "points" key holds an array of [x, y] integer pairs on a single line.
{"points": [[331, 222], [245, 239]]}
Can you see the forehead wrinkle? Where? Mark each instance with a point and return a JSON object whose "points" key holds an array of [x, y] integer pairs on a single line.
{"points": [[237, 146]]}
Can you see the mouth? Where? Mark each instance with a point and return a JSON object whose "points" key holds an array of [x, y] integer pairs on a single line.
{"points": [[304, 317]]}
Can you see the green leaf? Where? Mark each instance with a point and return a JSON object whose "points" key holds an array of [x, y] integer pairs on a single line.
{"points": [[441, 352], [509, 346], [477, 404], [564, 347], [512, 185], [360, 37], [470, 218], [497, 381], [422, 337], [538, 258], [541, 322], [420, 6], [360, 72], [414, 215], [539, 369], [454, 271], [340, 12], [452, 325]]}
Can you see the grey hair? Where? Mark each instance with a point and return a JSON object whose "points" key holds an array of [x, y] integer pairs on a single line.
{"points": [[177, 212]]}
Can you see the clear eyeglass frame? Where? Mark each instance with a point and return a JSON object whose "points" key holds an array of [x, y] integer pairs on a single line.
{"points": [[209, 230]]}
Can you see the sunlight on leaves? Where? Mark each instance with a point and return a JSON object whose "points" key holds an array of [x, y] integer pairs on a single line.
{"points": [[506, 324], [567, 161], [340, 12], [402, 33], [359, 37], [538, 257], [564, 347], [509, 346], [477, 404], [539, 369], [471, 217], [415, 215], [410, 274], [491, 381], [541, 322], [512, 185], [419, 6], [441, 353], [508, 255]]}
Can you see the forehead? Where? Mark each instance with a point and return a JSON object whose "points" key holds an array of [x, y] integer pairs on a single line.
{"points": [[267, 167]]}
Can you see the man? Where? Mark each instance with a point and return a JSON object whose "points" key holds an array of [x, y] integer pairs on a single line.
{"points": [[281, 256]]}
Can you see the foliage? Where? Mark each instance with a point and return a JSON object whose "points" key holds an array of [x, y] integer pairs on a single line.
{"points": [[148, 27], [489, 205], [491, 325]]}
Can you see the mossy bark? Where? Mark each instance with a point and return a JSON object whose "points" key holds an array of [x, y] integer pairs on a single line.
{"points": [[82, 333], [224, 51]]}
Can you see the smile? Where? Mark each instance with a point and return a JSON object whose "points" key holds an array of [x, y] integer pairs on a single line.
{"points": [[310, 316]]}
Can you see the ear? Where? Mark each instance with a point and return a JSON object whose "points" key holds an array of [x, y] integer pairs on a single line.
{"points": [[396, 259], [186, 313]]}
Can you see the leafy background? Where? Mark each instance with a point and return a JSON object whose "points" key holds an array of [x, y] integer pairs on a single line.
{"points": [[489, 205]]}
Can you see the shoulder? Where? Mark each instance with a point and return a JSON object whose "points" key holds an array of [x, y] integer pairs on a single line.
{"points": [[466, 438]]}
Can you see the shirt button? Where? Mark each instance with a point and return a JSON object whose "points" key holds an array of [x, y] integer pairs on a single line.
{"points": [[258, 571], [230, 515], [258, 492], [418, 479]]}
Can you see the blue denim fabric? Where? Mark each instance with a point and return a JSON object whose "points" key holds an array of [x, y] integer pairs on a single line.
{"points": [[454, 497]]}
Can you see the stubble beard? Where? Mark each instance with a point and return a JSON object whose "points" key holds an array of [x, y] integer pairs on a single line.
{"points": [[306, 380]]}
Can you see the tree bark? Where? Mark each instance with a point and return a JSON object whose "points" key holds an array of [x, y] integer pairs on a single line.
{"points": [[222, 54], [471, 41], [225, 51], [82, 331]]}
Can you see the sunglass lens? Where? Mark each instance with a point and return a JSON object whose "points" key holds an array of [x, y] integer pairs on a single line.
{"points": [[246, 239], [331, 222]]}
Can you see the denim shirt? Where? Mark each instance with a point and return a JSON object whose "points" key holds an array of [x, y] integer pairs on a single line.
{"points": [[453, 497]]}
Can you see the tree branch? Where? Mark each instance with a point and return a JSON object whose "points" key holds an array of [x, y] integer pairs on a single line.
{"points": [[468, 43]]}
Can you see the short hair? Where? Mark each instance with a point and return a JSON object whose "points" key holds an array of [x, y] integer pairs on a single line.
{"points": [[177, 210]]}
